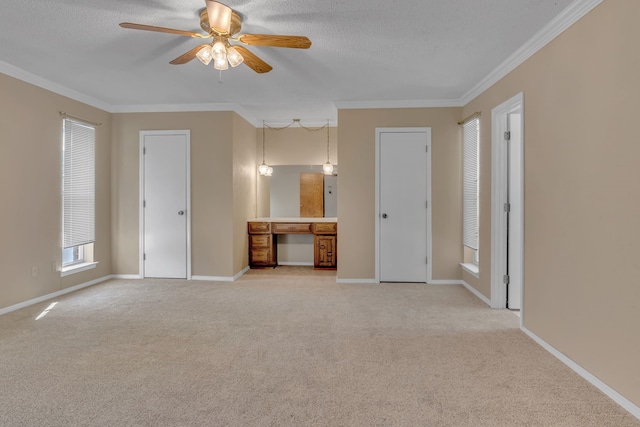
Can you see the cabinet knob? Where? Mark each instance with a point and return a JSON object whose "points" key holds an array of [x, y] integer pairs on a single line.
{"points": [[384, 215]]}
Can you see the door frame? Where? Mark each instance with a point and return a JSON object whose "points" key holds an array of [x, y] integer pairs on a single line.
{"points": [[427, 131], [499, 198], [187, 134]]}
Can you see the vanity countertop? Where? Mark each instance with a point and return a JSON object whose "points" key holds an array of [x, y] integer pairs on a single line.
{"points": [[294, 219]]}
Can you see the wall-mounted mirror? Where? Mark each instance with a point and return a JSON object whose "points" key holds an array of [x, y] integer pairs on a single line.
{"points": [[279, 196]]}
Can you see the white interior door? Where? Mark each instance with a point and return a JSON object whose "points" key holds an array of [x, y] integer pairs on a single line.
{"points": [[165, 203], [402, 202]]}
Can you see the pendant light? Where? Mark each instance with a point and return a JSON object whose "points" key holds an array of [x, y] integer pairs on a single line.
{"points": [[327, 168], [264, 169]]}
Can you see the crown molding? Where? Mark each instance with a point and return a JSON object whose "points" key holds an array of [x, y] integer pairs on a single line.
{"points": [[177, 108], [553, 29], [407, 103], [28, 77]]}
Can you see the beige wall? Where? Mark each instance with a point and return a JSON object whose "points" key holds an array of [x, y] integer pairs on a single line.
{"points": [[291, 146], [31, 189], [581, 180], [356, 181], [244, 189], [211, 188], [297, 146]]}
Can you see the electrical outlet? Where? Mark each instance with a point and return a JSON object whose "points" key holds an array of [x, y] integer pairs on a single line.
{"points": [[34, 271], [54, 266]]}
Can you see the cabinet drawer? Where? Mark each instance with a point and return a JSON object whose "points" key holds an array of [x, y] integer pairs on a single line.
{"points": [[259, 227], [285, 228], [260, 256], [325, 228], [259, 241]]}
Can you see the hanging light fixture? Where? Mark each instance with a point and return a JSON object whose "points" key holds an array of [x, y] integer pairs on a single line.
{"points": [[264, 169], [219, 54], [327, 168], [234, 56], [205, 55]]}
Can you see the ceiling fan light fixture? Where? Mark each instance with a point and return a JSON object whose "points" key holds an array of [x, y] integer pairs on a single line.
{"points": [[234, 57], [219, 16], [205, 55], [220, 63], [218, 50]]}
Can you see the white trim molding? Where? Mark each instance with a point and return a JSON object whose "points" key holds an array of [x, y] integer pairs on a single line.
{"points": [[407, 103], [476, 293], [595, 381], [472, 269], [555, 27], [53, 295], [77, 268], [126, 276], [222, 278], [499, 183], [26, 76], [444, 282], [569, 16]]}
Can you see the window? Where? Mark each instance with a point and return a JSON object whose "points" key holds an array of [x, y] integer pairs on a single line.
{"points": [[78, 194], [471, 174]]}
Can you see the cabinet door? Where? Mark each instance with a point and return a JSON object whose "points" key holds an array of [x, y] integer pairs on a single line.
{"points": [[325, 252]]}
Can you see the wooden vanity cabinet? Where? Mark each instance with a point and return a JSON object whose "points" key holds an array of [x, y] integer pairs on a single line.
{"points": [[325, 252], [263, 248]]}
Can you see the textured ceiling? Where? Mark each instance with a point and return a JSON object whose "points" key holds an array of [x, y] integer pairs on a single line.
{"points": [[363, 51]]}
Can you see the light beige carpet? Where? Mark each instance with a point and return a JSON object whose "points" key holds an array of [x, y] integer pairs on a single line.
{"points": [[283, 348]]}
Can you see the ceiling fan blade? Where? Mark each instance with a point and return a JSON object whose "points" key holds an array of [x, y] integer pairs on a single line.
{"points": [[133, 26], [252, 61], [219, 16], [296, 42], [188, 56]]}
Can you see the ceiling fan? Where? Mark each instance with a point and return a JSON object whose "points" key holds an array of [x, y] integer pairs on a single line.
{"points": [[221, 23]]}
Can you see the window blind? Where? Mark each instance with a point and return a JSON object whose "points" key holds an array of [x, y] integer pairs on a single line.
{"points": [[470, 168], [78, 189]]}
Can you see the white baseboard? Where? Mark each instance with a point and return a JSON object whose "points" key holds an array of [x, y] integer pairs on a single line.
{"points": [[445, 282], [126, 276], [222, 278], [476, 293], [368, 281], [52, 295], [599, 384]]}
